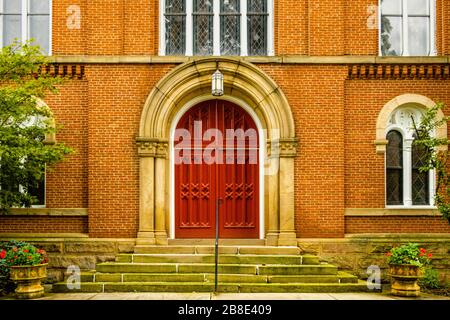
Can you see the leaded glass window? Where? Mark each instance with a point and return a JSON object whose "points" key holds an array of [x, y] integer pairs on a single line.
{"points": [[394, 168], [217, 27], [203, 27], [420, 179], [407, 27], [230, 26], [406, 184], [175, 19], [24, 20], [257, 27]]}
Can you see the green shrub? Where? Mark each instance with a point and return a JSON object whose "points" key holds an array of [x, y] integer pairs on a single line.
{"points": [[430, 279]]}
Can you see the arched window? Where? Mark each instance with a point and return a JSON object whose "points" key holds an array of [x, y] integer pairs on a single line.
{"points": [[394, 168], [406, 184]]}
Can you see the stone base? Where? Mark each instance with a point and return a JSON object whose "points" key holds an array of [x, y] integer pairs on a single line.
{"points": [[287, 239], [161, 238], [145, 238], [272, 239]]}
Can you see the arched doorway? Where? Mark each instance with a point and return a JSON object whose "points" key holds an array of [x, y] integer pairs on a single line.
{"points": [[216, 158], [249, 87]]}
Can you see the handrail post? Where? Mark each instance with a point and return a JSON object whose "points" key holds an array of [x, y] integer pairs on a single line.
{"points": [[216, 270]]}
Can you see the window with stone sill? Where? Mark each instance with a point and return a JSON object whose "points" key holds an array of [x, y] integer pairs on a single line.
{"points": [[407, 27], [216, 27], [406, 185], [25, 20]]}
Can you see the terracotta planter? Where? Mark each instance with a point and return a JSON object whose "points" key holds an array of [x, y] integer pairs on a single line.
{"points": [[28, 279], [404, 280]]}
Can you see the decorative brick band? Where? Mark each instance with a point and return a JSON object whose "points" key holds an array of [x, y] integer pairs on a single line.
{"points": [[72, 71], [399, 71]]}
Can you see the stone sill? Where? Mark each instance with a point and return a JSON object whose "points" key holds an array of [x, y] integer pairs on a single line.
{"points": [[284, 59], [399, 212], [46, 236], [69, 212], [65, 237]]}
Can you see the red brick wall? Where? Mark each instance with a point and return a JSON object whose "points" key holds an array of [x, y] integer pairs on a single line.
{"points": [[326, 27], [65, 40], [35, 224], [67, 181], [396, 225], [316, 97], [116, 98], [292, 37]]}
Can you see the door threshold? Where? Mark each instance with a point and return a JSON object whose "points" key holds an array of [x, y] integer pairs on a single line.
{"points": [[222, 242]]}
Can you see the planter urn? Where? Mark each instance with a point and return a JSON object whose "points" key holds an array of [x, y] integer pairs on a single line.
{"points": [[404, 280], [28, 280]]}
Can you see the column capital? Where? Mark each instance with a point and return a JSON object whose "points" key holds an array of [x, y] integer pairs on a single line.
{"points": [[285, 148], [288, 147], [152, 147]]}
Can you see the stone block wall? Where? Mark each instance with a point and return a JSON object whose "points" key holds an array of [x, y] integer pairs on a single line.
{"points": [[355, 254], [82, 252]]}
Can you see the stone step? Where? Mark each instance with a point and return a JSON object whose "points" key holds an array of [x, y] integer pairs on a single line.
{"points": [[298, 269], [222, 242], [223, 259], [341, 277], [209, 287], [205, 249], [118, 267]]}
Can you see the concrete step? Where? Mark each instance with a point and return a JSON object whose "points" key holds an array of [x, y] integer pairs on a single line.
{"points": [[209, 287], [341, 277], [119, 267], [205, 249], [223, 259]]}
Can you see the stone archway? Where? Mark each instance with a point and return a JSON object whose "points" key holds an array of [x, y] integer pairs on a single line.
{"points": [[245, 84], [414, 100]]}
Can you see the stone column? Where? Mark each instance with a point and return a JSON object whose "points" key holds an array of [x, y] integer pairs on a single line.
{"points": [[160, 194], [271, 194], [152, 190], [288, 151], [146, 234]]}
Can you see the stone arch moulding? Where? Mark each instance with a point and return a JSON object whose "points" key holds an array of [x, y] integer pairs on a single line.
{"points": [[244, 83], [414, 100]]}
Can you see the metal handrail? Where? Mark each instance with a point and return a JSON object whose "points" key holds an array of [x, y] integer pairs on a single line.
{"points": [[216, 270]]}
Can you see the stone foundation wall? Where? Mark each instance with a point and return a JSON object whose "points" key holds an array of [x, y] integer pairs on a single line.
{"points": [[82, 252], [355, 253]]}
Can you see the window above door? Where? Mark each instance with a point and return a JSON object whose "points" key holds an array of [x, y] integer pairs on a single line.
{"points": [[407, 27], [216, 27]]}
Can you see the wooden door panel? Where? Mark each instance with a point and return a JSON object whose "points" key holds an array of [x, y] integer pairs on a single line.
{"points": [[199, 184]]}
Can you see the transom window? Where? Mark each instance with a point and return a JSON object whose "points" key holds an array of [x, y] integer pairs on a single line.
{"points": [[216, 27], [407, 28], [25, 20], [406, 185]]}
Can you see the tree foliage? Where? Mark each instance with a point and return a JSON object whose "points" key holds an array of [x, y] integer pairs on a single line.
{"points": [[24, 124], [435, 157]]}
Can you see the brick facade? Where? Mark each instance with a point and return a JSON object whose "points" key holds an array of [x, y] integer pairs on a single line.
{"points": [[335, 116]]}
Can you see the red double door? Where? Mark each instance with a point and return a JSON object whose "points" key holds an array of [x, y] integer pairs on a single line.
{"points": [[216, 150]]}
